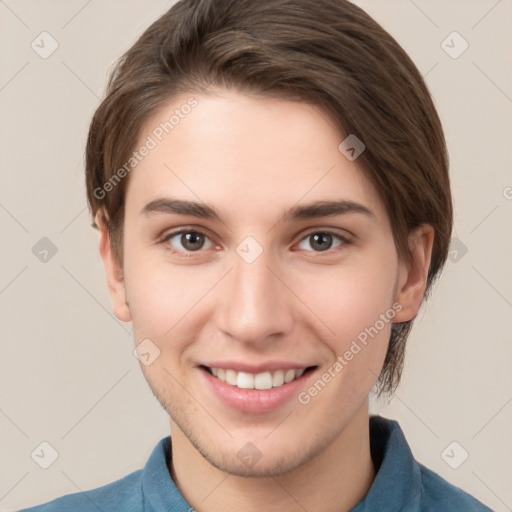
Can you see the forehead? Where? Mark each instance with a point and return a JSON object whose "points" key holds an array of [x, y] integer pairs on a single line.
{"points": [[232, 149]]}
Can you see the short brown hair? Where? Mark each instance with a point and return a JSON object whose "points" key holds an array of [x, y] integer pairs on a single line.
{"points": [[329, 53]]}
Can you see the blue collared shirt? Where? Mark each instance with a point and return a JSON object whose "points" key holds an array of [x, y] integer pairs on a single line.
{"points": [[401, 484]]}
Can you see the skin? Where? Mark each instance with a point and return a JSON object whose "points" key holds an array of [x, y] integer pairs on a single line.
{"points": [[253, 158]]}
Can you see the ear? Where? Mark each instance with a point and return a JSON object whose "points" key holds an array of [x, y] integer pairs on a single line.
{"points": [[113, 271], [412, 279]]}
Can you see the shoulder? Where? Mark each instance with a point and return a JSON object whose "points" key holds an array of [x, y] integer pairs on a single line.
{"points": [[402, 483], [439, 494], [119, 496], [124, 495]]}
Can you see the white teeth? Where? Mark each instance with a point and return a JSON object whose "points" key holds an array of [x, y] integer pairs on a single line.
{"points": [[231, 377], [289, 376], [265, 380], [278, 378], [244, 380]]}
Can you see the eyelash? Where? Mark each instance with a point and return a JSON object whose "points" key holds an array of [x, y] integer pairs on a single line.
{"points": [[190, 254]]}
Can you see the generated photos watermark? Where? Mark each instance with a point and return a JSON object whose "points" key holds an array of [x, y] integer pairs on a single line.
{"points": [[357, 345], [152, 141]]}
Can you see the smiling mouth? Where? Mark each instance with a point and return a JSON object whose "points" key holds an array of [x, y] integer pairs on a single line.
{"points": [[260, 381]]}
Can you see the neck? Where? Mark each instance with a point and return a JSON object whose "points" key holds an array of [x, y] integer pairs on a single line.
{"points": [[334, 481]]}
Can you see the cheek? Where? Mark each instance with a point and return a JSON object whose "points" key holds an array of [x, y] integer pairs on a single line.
{"points": [[356, 302], [164, 298], [350, 299]]}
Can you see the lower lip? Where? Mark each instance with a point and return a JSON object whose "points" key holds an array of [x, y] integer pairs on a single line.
{"points": [[255, 401]]}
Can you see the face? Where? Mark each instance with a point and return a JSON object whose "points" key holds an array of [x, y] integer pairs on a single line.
{"points": [[258, 284]]}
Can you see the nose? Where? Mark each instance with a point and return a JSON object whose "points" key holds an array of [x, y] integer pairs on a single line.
{"points": [[255, 304]]}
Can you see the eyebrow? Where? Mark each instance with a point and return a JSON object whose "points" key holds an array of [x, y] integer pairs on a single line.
{"points": [[312, 210]]}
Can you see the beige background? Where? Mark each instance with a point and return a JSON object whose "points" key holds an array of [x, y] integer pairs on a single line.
{"points": [[67, 373]]}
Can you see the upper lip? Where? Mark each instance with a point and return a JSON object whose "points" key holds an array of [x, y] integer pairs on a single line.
{"points": [[268, 366]]}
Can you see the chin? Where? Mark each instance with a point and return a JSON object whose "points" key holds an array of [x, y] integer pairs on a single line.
{"points": [[256, 468]]}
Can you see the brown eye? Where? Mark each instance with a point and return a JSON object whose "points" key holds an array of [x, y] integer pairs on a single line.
{"points": [[321, 241], [184, 241], [192, 241]]}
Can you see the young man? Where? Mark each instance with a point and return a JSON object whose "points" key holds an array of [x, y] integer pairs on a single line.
{"points": [[270, 184]]}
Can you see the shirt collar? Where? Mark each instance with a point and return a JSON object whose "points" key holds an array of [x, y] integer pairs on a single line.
{"points": [[158, 489], [396, 486]]}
